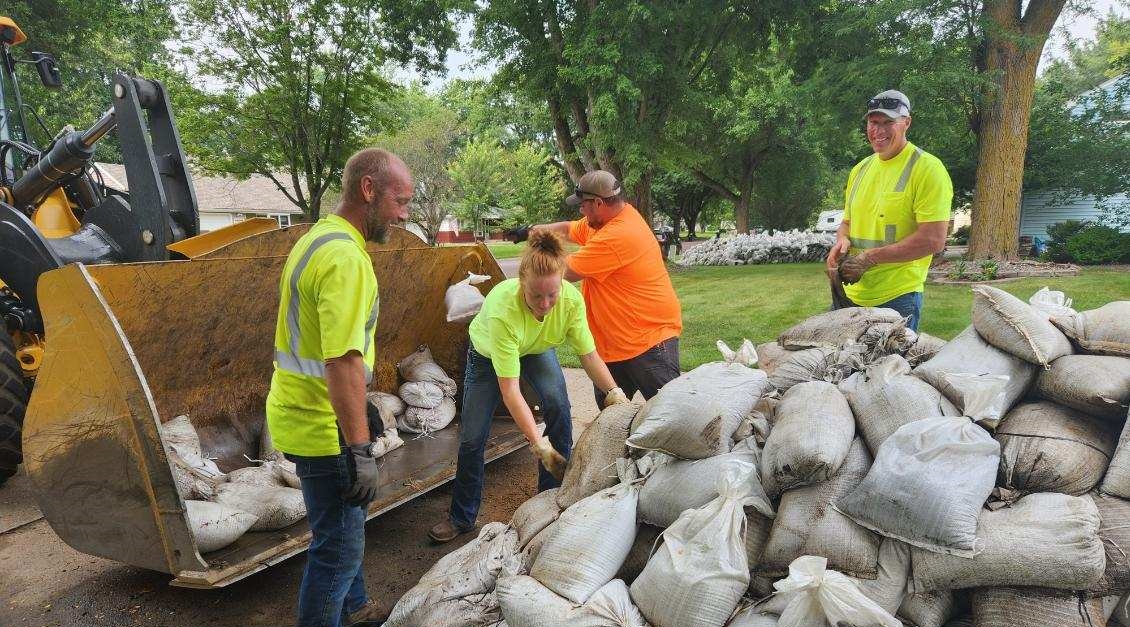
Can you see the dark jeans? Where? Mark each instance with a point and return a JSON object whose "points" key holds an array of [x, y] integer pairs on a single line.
{"points": [[646, 372], [481, 396], [909, 305], [332, 583]]}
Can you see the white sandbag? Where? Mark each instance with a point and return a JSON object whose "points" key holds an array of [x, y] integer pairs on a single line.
{"points": [[924, 349], [535, 514], [1047, 539], [698, 574], [814, 595], [421, 420], [1015, 327], [888, 590], [968, 353], [420, 366], [1096, 384], [460, 588], [673, 486], [752, 617], [1051, 303], [423, 394], [387, 442], [1117, 479], [592, 464], [264, 475], [214, 525], [1047, 447], [769, 355], [590, 540], [813, 431], [835, 328], [927, 609], [527, 603], [884, 397], [1035, 607], [389, 407], [1102, 331], [274, 507], [695, 415], [181, 434], [463, 300], [818, 364], [533, 547], [196, 477], [807, 524]]}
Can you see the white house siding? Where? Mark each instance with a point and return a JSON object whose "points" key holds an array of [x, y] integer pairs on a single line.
{"points": [[213, 221], [1039, 210]]}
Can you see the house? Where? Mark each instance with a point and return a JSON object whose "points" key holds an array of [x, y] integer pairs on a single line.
{"points": [[223, 201], [453, 231], [1040, 209]]}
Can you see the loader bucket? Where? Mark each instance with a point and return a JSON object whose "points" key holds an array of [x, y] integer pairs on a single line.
{"points": [[131, 346]]}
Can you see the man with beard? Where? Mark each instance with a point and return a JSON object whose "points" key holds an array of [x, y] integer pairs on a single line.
{"points": [[324, 357]]}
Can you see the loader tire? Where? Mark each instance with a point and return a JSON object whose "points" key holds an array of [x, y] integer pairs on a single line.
{"points": [[13, 403]]}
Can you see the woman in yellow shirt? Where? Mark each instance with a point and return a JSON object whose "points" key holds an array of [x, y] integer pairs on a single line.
{"points": [[514, 336]]}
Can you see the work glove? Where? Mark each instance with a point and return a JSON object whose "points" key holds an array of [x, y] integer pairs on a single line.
{"points": [[615, 396], [518, 233], [553, 461], [853, 267], [363, 473]]}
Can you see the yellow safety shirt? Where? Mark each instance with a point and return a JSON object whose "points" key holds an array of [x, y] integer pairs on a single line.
{"points": [[884, 202], [327, 308]]}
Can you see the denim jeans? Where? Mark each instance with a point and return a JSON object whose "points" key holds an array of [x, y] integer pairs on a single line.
{"points": [[332, 583], [481, 396], [647, 372], [909, 305]]}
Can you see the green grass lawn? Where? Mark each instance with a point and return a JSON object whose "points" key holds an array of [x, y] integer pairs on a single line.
{"points": [[506, 250], [759, 302]]}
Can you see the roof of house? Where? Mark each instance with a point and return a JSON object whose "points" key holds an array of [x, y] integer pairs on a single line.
{"points": [[220, 194]]}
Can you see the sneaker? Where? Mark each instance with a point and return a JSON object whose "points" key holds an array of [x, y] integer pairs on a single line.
{"points": [[446, 531], [372, 614]]}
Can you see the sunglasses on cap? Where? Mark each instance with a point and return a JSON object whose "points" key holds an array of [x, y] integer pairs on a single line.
{"points": [[886, 103], [580, 193]]}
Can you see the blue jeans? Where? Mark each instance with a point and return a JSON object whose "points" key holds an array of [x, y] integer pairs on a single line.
{"points": [[908, 305], [332, 583], [481, 396]]}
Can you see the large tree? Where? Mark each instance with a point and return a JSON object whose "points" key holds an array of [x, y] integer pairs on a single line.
{"points": [[302, 84]]}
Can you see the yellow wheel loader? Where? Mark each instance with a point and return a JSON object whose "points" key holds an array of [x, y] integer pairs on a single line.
{"points": [[120, 316]]}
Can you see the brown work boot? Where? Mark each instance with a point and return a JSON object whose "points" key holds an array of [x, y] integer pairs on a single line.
{"points": [[446, 531], [372, 614]]}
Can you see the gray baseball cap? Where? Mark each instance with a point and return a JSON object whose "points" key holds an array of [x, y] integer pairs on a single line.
{"points": [[597, 183], [892, 103]]}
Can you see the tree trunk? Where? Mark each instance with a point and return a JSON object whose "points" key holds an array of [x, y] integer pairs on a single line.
{"points": [[1013, 45], [640, 197], [741, 213]]}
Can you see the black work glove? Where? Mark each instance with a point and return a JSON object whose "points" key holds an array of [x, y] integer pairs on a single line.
{"points": [[376, 424], [518, 233], [363, 473]]}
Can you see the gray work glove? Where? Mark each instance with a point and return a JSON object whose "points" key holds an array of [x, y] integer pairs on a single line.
{"points": [[363, 473]]}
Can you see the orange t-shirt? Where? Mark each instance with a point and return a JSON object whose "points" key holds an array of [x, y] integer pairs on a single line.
{"points": [[631, 303]]}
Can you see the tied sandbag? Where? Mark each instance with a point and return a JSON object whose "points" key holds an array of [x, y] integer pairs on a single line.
{"points": [[463, 300], [180, 434], [924, 349], [888, 589], [527, 603], [421, 420], [423, 394], [695, 415], [806, 524], [459, 590], [813, 431], [884, 397], [1114, 531], [927, 609], [264, 475], [1047, 539], [674, 486], [887, 338], [1102, 331], [698, 574], [592, 465], [420, 366], [215, 525], [1096, 384], [1117, 479], [274, 507], [770, 355], [968, 353], [1047, 447], [535, 515], [814, 595], [1052, 303], [389, 408], [818, 364], [646, 540], [835, 328], [590, 540], [1035, 607], [196, 477], [1017, 328]]}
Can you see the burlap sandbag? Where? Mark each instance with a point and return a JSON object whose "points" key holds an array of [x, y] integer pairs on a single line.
{"points": [[534, 515], [813, 431], [1102, 331], [757, 529], [927, 609], [818, 364], [1117, 479], [1047, 447], [647, 539], [888, 589], [806, 524], [835, 328], [1045, 539], [1035, 607], [924, 349], [1114, 531], [1017, 328], [1096, 384], [968, 353], [592, 464]]}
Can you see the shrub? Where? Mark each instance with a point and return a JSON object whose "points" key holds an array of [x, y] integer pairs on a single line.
{"points": [[1097, 244], [961, 236], [1059, 234]]}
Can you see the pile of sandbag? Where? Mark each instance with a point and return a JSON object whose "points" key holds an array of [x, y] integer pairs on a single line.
{"points": [[428, 394]]}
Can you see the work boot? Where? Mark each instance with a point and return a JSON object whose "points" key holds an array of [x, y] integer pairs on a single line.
{"points": [[446, 531], [372, 614]]}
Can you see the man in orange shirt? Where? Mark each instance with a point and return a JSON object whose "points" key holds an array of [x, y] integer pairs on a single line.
{"points": [[632, 309]]}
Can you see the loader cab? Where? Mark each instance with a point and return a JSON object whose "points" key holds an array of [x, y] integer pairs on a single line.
{"points": [[13, 124]]}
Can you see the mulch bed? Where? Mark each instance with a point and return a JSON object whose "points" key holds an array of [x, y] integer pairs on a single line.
{"points": [[946, 271]]}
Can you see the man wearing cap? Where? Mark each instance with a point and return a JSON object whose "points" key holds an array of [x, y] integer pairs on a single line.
{"points": [[632, 309], [896, 214]]}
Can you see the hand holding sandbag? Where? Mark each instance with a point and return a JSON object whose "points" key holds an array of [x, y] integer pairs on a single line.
{"points": [[364, 473], [553, 461], [615, 396], [853, 267]]}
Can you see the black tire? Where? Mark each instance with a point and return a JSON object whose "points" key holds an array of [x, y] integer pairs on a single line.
{"points": [[13, 404]]}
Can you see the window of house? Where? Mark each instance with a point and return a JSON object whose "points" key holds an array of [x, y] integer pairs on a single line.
{"points": [[282, 218]]}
